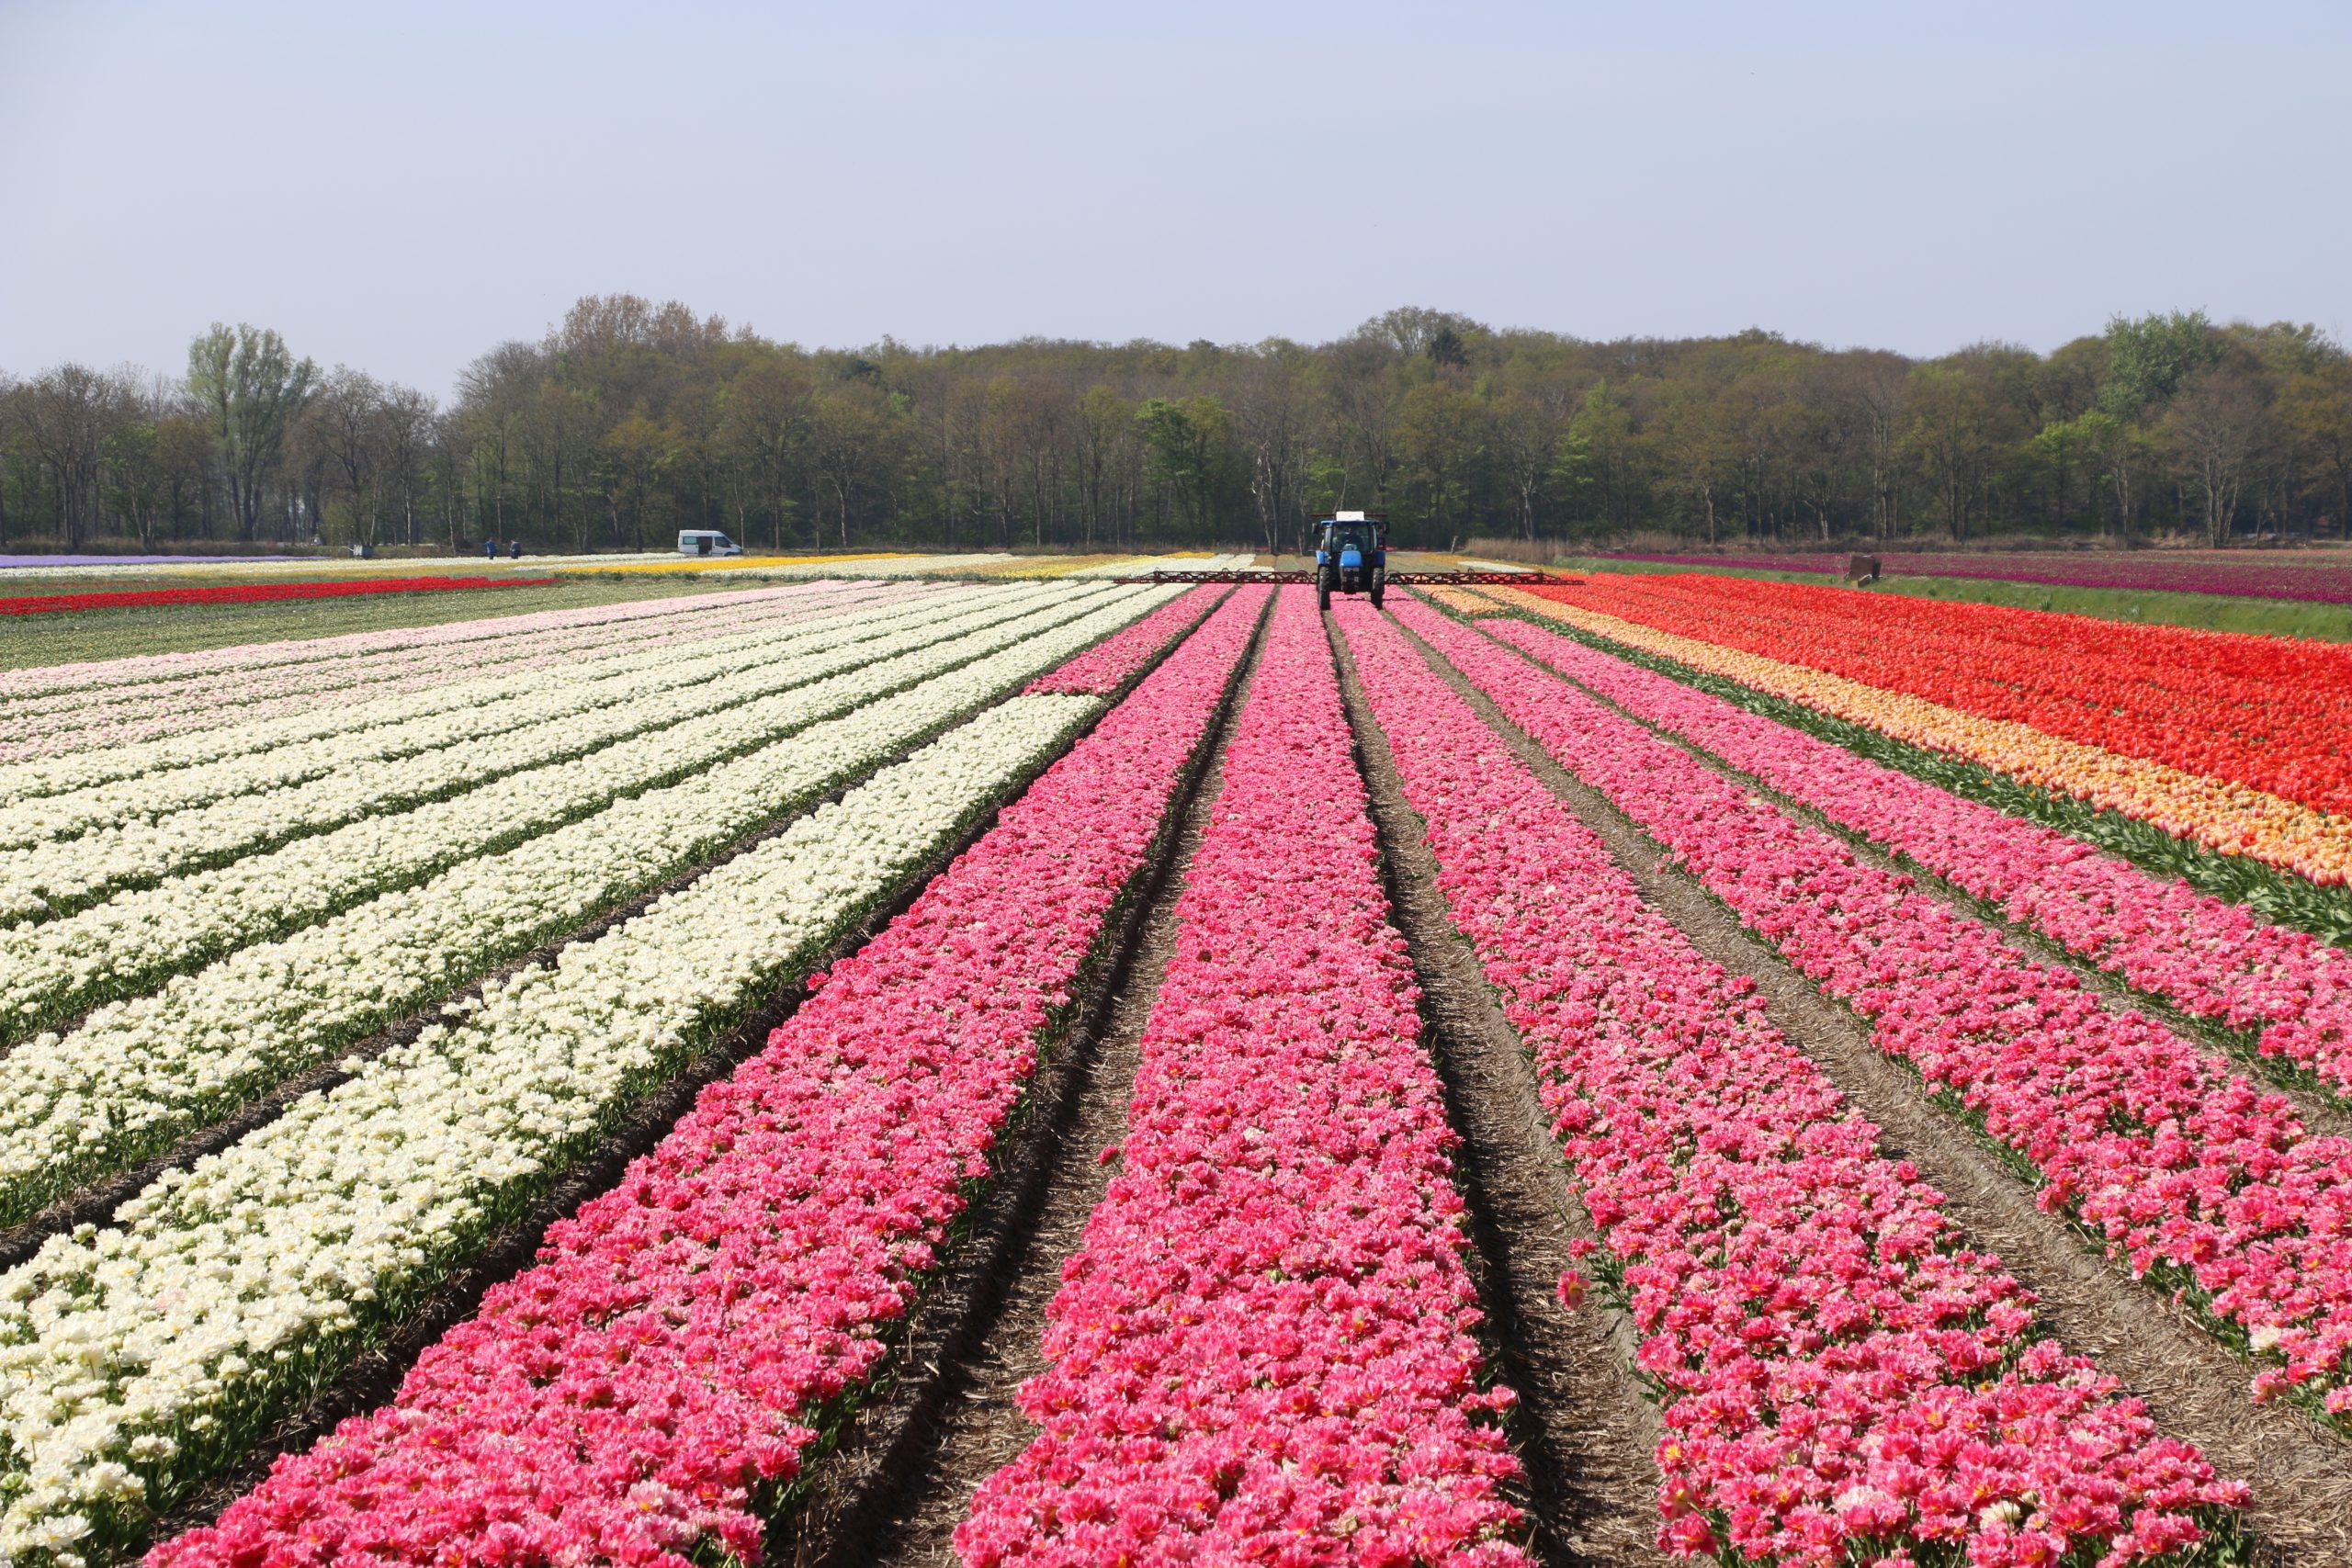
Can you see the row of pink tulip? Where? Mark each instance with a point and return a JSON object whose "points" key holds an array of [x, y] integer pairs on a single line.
{"points": [[1264, 1352], [1844, 1378], [2180, 1166], [1105, 668], [2211, 958], [83, 721], [639, 1395]]}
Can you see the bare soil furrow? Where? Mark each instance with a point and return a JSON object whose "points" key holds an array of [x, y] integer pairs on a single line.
{"points": [[2195, 1388]]}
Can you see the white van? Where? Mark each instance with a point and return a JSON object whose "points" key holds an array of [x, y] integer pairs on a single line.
{"points": [[706, 542]]}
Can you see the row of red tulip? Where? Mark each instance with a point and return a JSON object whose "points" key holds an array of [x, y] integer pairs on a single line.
{"points": [[1845, 1381], [1264, 1352], [2182, 1167], [2211, 958], [2268, 712], [253, 592], [641, 1392]]}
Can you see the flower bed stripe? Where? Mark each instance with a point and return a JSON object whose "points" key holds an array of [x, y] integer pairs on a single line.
{"points": [[133, 940], [140, 1074], [61, 797], [2319, 577], [1108, 665], [2263, 712], [684, 1340], [148, 1354], [1840, 1371], [61, 852], [254, 592], [2279, 894], [1264, 1352], [2230, 818], [237, 689], [320, 697], [105, 674], [2213, 960], [2182, 1169], [236, 751]]}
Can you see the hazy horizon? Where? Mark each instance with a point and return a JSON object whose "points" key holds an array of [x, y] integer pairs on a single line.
{"points": [[401, 192]]}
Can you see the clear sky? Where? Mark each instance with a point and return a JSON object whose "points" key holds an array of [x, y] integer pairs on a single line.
{"points": [[400, 186]]}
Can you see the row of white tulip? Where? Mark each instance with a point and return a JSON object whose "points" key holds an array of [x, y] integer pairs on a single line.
{"points": [[63, 722], [63, 792], [1135, 565], [545, 727], [377, 724], [140, 1073], [135, 939], [137, 688], [172, 774], [131, 1358], [104, 675]]}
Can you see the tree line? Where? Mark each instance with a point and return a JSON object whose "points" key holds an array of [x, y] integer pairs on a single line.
{"points": [[630, 418]]}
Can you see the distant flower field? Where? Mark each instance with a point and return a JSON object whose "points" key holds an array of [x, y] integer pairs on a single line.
{"points": [[1075, 1071], [2317, 577]]}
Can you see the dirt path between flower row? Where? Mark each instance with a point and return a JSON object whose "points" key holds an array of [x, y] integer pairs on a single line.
{"points": [[2195, 1388], [904, 1476], [1583, 1429]]}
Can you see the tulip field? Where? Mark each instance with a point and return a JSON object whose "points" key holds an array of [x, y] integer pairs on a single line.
{"points": [[1034, 1072]]}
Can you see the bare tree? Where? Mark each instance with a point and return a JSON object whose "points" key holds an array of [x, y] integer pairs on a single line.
{"points": [[69, 412], [1364, 398], [2216, 427], [1104, 426], [764, 423], [1274, 408], [345, 422]]}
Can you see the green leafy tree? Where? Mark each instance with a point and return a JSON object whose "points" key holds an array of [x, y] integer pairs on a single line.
{"points": [[1190, 444], [2149, 356], [248, 390]]}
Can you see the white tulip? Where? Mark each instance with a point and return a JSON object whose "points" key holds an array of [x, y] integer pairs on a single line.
{"points": [[188, 920]]}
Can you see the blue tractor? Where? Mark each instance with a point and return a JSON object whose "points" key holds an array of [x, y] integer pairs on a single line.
{"points": [[1352, 557]]}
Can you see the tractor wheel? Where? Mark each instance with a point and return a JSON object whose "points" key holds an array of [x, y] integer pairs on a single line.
{"points": [[1379, 589], [1323, 589]]}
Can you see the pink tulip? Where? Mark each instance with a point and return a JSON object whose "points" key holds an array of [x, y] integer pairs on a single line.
{"points": [[1844, 1378], [2187, 1174], [1264, 1352]]}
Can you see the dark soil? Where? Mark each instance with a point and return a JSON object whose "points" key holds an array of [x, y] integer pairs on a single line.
{"points": [[2195, 1387]]}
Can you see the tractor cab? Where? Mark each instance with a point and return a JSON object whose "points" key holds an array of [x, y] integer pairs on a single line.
{"points": [[1352, 557]]}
